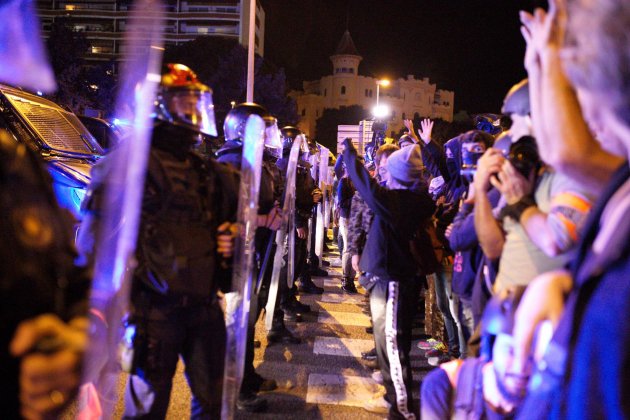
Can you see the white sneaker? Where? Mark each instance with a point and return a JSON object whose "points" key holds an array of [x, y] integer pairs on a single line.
{"points": [[378, 377], [377, 404]]}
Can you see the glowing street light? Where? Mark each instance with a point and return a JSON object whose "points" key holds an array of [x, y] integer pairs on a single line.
{"points": [[379, 83], [381, 112]]}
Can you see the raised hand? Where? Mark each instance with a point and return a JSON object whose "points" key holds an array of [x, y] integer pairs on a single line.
{"points": [[426, 128]]}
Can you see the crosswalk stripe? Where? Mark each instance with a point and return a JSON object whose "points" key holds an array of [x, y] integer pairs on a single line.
{"points": [[348, 347], [344, 318], [338, 389], [342, 298]]}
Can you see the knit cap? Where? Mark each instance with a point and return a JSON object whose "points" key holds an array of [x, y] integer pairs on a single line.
{"points": [[405, 165]]}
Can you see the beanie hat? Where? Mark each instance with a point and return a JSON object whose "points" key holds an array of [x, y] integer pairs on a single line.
{"points": [[405, 140], [405, 165]]}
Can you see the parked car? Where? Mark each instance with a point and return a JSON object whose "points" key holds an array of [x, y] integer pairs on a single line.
{"points": [[62, 141], [106, 132]]}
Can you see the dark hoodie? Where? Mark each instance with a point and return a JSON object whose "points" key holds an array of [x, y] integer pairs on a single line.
{"points": [[397, 216]]}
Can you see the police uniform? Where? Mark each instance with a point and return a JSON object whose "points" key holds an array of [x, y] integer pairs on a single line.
{"points": [[37, 258]]}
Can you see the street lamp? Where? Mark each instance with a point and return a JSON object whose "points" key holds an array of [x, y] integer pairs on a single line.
{"points": [[379, 83], [233, 103]]}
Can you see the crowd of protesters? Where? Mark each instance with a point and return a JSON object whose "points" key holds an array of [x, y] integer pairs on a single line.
{"points": [[509, 243]]}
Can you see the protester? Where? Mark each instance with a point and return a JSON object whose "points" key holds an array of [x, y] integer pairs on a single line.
{"points": [[398, 212], [582, 375]]}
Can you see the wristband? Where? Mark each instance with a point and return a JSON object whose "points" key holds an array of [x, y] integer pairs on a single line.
{"points": [[515, 211]]}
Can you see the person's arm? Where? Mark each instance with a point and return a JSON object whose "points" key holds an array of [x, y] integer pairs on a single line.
{"points": [[554, 232], [462, 234], [49, 379], [374, 195], [354, 227], [564, 138], [489, 231], [339, 167]]}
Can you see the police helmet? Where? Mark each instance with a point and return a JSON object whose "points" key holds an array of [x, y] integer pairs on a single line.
{"points": [[236, 119], [184, 101]]}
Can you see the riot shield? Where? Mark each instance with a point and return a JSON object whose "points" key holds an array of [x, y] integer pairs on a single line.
{"points": [[238, 300], [123, 188], [321, 227], [22, 53], [285, 236]]}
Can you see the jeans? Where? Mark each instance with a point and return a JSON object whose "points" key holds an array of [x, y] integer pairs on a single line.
{"points": [[447, 303], [346, 258]]}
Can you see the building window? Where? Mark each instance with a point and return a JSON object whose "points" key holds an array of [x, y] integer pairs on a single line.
{"points": [[317, 113], [418, 96], [403, 116], [325, 91], [351, 71], [371, 93], [343, 90], [367, 93], [303, 112]]}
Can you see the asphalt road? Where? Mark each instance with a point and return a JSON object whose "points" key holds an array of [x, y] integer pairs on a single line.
{"points": [[321, 378]]}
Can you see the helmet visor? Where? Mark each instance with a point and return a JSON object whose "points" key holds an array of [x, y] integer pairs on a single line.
{"points": [[193, 108], [272, 135]]}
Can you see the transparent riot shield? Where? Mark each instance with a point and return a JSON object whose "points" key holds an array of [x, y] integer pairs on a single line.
{"points": [[123, 188], [321, 227], [22, 54], [285, 236], [238, 300]]}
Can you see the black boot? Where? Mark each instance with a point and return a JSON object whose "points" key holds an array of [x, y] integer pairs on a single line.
{"points": [[306, 285], [282, 335], [347, 285], [251, 402]]}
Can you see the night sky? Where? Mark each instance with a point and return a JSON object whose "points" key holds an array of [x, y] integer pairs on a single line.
{"points": [[472, 47]]}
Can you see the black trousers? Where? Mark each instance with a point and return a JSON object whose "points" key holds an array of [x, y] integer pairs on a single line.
{"points": [[196, 332], [393, 305], [288, 293]]}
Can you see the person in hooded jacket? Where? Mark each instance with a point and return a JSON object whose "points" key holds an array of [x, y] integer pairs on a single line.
{"points": [[398, 212]]}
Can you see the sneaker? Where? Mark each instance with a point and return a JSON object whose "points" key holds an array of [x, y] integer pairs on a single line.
{"points": [[438, 360], [282, 335], [434, 352], [428, 344], [371, 363], [307, 286], [377, 376], [347, 286], [251, 403], [368, 355], [377, 404]]}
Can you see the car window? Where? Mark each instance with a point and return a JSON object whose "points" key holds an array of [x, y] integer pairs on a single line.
{"points": [[60, 130]]}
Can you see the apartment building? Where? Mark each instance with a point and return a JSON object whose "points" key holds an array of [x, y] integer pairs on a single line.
{"points": [[103, 22]]}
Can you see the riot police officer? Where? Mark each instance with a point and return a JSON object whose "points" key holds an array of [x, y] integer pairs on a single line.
{"points": [[269, 220], [175, 309], [306, 196]]}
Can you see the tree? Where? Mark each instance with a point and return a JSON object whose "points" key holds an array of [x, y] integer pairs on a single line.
{"points": [[66, 48], [222, 64], [79, 86], [326, 125]]}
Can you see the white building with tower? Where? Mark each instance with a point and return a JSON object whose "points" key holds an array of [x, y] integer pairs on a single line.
{"points": [[405, 97]]}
